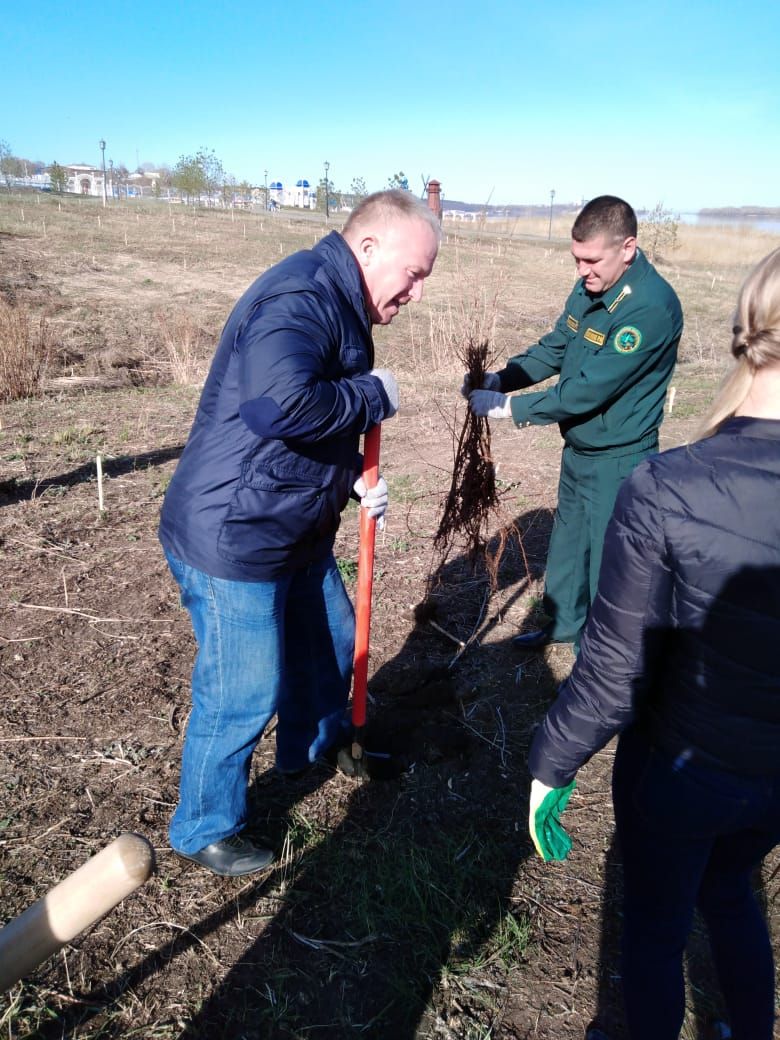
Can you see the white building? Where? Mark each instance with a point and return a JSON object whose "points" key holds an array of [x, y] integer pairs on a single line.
{"points": [[301, 196], [84, 180]]}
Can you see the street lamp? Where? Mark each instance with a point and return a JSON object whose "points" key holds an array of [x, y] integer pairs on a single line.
{"points": [[327, 167], [549, 229], [265, 172], [102, 144]]}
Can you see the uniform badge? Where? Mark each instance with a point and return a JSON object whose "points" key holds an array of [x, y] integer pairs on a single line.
{"points": [[627, 340], [593, 336], [572, 322], [625, 291]]}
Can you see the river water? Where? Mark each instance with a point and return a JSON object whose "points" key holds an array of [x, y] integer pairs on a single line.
{"points": [[760, 223]]}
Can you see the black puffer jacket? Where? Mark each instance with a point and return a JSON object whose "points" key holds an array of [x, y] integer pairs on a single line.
{"points": [[684, 634]]}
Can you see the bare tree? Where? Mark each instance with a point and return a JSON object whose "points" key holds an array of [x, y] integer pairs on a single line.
{"points": [[658, 232], [5, 163]]}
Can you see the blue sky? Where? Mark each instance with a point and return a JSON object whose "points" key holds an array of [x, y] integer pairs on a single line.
{"points": [[674, 102]]}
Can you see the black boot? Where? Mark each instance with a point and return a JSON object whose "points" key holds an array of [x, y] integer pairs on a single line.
{"points": [[536, 639]]}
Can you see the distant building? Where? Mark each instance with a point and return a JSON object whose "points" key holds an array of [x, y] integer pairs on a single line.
{"points": [[460, 214], [88, 180], [139, 184], [84, 180], [276, 193], [302, 196]]}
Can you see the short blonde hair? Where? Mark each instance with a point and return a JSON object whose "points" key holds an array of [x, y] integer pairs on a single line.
{"points": [[389, 205], [755, 339]]}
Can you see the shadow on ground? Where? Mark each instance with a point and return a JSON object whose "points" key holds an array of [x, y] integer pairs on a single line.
{"points": [[413, 887], [400, 908], [15, 490]]}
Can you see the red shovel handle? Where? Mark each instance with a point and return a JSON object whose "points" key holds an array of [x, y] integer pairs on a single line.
{"points": [[365, 581]]}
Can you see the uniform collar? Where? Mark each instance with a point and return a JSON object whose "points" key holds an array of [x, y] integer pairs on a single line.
{"points": [[624, 286]]}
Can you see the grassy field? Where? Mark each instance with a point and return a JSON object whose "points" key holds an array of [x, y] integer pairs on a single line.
{"points": [[405, 909]]}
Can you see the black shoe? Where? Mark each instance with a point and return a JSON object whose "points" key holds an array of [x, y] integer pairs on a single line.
{"points": [[232, 857], [294, 774], [534, 640]]}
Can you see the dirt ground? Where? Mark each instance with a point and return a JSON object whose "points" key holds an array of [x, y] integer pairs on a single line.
{"points": [[402, 908]]}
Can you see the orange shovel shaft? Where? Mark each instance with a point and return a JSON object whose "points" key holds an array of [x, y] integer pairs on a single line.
{"points": [[365, 581]]}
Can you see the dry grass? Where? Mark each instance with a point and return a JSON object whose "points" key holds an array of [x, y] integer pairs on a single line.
{"points": [[722, 249], [365, 912], [24, 352], [154, 283], [185, 358]]}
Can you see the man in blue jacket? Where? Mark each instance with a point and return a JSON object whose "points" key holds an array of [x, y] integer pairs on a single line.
{"points": [[251, 514]]}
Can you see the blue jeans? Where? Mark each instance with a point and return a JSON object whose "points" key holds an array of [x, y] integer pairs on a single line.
{"points": [[692, 835], [281, 647]]}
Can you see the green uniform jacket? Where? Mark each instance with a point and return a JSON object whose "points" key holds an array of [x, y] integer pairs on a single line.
{"points": [[615, 354]]}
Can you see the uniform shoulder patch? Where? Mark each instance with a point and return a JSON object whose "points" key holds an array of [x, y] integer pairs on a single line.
{"points": [[627, 340], [572, 322]]}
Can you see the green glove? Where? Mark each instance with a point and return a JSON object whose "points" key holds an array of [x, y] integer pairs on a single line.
{"points": [[544, 819]]}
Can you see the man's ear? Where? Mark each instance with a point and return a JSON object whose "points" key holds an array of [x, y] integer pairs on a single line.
{"points": [[629, 249], [367, 249]]}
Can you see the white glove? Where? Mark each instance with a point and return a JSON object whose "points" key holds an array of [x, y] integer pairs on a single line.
{"points": [[492, 381], [490, 404], [390, 387], [539, 792], [374, 499], [545, 806]]}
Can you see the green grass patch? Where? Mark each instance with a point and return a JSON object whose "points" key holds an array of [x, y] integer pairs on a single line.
{"points": [[347, 569], [403, 488]]}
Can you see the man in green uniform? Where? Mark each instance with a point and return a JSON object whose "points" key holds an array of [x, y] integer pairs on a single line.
{"points": [[614, 349]]}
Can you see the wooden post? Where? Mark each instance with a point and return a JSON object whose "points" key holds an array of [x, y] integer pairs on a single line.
{"points": [[73, 905]]}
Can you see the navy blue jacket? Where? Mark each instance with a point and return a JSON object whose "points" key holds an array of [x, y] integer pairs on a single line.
{"points": [[683, 636], [273, 452]]}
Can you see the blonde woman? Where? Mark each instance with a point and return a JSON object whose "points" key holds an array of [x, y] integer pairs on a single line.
{"points": [[680, 656]]}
